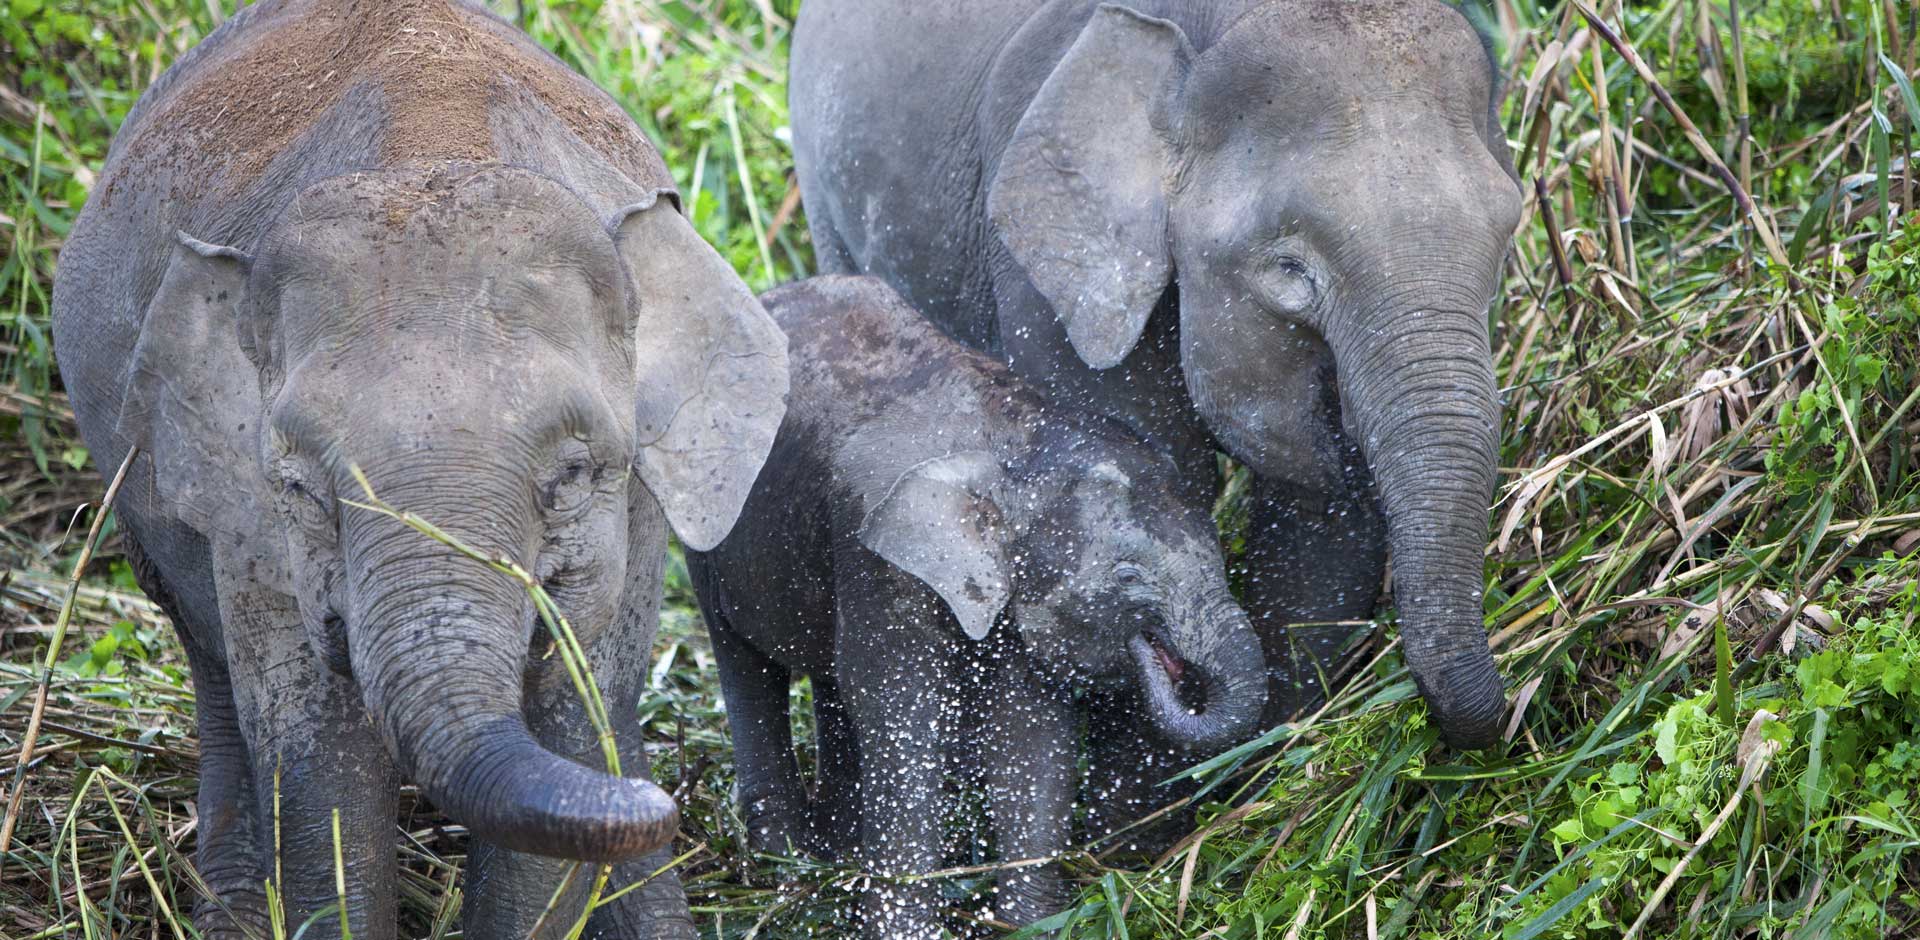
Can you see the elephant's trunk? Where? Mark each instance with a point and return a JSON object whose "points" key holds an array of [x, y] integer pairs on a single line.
{"points": [[1417, 392], [439, 646], [1215, 652]]}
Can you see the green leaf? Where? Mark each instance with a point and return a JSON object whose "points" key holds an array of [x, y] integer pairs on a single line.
{"points": [[1820, 924], [1666, 740], [1046, 925], [1868, 368], [1116, 922], [102, 650], [1560, 908], [1813, 219], [1569, 830], [1906, 91]]}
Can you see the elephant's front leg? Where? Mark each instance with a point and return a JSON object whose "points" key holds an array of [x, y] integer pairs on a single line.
{"points": [[767, 778], [1126, 762], [228, 852], [1030, 749], [1313, 559], [229, 849], [893, 668], [316, 759], [509, 893], [836, 801]]}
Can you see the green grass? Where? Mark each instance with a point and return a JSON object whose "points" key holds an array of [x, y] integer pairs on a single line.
{"points": [[1702, 588]]}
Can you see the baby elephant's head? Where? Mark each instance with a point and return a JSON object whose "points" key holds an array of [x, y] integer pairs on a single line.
{"points": [[1108, 574]]}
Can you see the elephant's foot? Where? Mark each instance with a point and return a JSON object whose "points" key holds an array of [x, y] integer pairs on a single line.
{"points": [[655, 911], [1120, 830], [899, 912], [1026, 895], [835, 829], [227, 858], [652, 925], [777, 826], [237, 910]]}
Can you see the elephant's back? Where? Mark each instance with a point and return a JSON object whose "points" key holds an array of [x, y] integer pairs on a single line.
{"points": [[435, 71], [858, 349], [884, 98]]}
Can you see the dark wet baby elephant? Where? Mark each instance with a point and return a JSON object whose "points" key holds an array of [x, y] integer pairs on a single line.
{"points": [[399, 239], [929, 531], [1271, 227]]}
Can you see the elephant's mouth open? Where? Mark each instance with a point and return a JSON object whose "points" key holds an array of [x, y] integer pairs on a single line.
{"points": [[1155, 653], [1168, 659]]}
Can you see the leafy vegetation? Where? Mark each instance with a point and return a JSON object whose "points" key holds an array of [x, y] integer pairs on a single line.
{"points": [[1702, 585]]}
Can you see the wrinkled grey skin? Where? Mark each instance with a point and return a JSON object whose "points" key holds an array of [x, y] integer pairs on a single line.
{"points": [[1268, 226], [916, 491], [542, 358]]}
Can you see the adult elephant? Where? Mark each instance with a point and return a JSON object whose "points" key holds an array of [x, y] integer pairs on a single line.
{"points": [[346, 242], [1267, 226]]}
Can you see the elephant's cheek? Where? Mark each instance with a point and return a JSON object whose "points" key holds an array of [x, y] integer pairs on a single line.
{"points": [[316, 575], [586, 572], [1265, 390]]}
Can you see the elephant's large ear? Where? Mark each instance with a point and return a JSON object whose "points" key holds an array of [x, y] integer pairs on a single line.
{"points": [[1080, 196], [711, 371], [192, 397], [940, 524]]}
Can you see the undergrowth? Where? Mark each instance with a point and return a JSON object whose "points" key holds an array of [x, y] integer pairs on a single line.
{"points": [[1701, 587]]}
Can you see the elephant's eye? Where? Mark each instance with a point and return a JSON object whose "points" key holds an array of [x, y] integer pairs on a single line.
{"points": [[1129, 575], [571, 485], [1288, 286], [303, 503], [1291, 286]]}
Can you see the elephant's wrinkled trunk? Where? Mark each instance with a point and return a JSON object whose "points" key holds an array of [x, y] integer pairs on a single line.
{"points": [[1416, 385], [439, 644], [1215, 651]]}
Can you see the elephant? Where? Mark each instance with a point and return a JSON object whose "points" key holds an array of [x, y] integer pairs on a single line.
{"points": [[349, 250], [1271, 228], [946, 552]]}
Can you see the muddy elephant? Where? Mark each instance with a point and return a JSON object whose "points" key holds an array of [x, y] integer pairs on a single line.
{"points": [[1269, 227], [399, 240], [951, 558]]}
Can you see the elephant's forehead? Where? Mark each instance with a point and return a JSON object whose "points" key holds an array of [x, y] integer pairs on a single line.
{"points": [[450, 208], [1311, 54], [486, 238], [474, 405]]}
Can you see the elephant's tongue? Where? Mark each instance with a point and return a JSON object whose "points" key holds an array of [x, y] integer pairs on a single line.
{"points": [[1174, 665]]}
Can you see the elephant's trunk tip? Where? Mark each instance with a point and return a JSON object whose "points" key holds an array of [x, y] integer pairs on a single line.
{"points": [[1469, 705], [1226, 708], [533, 800]]}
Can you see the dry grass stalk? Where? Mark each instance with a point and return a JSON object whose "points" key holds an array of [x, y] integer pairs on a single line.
{"points": [[45, 678]]}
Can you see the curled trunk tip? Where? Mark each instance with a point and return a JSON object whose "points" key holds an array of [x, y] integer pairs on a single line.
{"points": [[457, 726], [1469, 713], [528, 799], [1419, 395], [1233, 678]]}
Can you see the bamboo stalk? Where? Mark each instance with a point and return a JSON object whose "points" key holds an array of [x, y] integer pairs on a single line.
{"points": [[1743, 112], [1761, 227]]}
